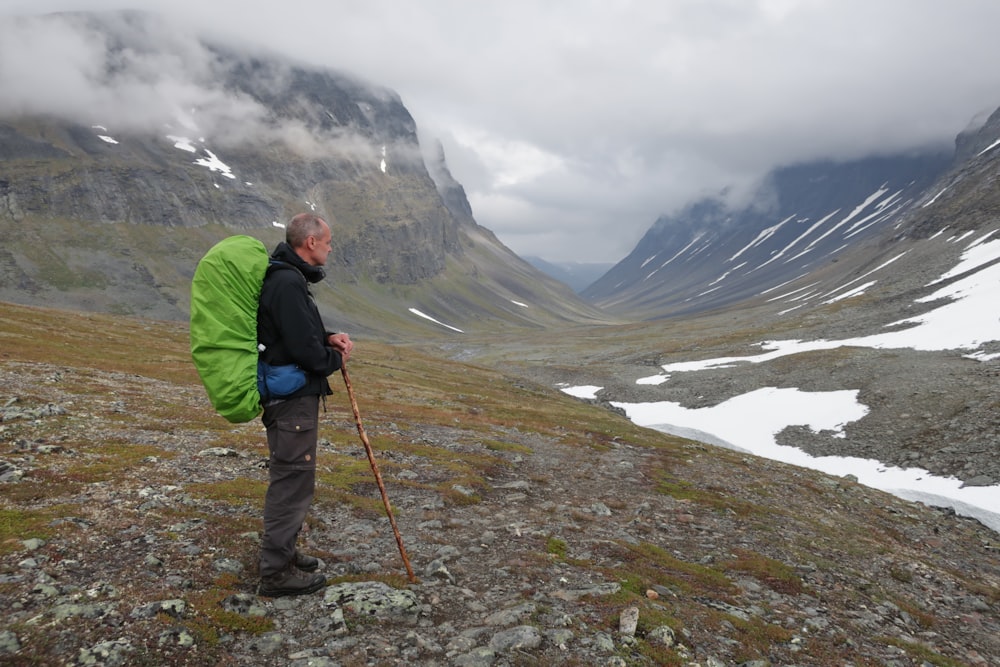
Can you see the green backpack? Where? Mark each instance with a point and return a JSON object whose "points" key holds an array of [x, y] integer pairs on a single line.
{"points": [[225, 292]]}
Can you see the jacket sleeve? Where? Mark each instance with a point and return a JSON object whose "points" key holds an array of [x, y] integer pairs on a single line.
{"points": [[301, 329]]}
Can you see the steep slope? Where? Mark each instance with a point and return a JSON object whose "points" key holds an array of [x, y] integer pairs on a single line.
{"points": [[802, 219], [114, 218], [966, 197]]}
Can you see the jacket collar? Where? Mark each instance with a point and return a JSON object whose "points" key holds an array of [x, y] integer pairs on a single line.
{"points": [[285, 253]]}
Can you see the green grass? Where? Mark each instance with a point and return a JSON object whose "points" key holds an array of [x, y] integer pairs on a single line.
{"points": [[776, 575], [681, 489], [237, 492], [922, 653]]}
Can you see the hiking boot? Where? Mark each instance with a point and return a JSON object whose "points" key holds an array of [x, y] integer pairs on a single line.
{"points": [[290, 582], [304, 562]]}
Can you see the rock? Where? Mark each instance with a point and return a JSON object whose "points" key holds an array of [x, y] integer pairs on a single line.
{"points": [[976, 603], [478, 657], [662, 635], [373, 598], [176, 637], [571, 595], [9, 472], [44, 590], [244, 604], [175, 608], [511, 615], [33, 544], [518, 485], [628, 621], [218, 451], [436, 569], [67, 610], [979, 480], [268, 643], [603, 643], [524, 637], [600, 509], [9, 643], [559, 637], [228, 565], [106, 654]]}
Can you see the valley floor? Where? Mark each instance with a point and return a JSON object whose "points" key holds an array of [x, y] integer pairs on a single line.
{"points": [[130, 532]]}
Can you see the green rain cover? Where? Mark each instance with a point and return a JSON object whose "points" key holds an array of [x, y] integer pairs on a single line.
{"points": [[225, 291]]}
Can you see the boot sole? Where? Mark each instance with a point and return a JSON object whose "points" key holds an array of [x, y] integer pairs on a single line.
{"points": [[285, 592]]}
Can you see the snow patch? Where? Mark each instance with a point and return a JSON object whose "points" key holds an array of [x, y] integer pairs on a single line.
{"points": [[428, 317]]}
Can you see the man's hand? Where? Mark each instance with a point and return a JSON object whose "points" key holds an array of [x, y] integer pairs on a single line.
{"points": [[342, 343]]}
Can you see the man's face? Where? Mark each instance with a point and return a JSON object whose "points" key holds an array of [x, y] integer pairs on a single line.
{"points": [[319, 247]]}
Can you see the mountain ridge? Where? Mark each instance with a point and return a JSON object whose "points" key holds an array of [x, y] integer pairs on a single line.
{"points": [[116, 219], [709, 256]]}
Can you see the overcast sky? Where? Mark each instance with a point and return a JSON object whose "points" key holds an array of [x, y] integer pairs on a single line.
{"points": [[573, 125]]}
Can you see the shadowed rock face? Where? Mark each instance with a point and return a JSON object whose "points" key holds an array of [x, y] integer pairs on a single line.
{"points": [[814, 225], [803, 217]]}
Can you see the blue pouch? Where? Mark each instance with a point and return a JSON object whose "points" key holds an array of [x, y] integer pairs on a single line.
{"points": [[278, 381]]}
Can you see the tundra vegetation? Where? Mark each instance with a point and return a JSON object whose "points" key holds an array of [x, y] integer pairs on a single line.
{"points": [[130, 514]]}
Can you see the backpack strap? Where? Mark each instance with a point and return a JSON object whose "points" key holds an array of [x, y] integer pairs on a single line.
{"points": [[272, 266], [276, 265]]}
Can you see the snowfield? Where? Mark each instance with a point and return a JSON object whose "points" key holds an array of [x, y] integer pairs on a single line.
{"points": [[967, 321]]}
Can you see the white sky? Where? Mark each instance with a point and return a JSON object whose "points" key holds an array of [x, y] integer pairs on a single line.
{"points": [[967, 321], [574, 124]]}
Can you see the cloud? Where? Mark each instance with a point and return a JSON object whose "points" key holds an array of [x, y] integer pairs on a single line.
{"points": [[141, 72], [64, 66], [573, 126]]}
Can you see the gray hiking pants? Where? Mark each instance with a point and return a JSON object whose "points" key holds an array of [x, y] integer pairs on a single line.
{"points": [[292, 433]]}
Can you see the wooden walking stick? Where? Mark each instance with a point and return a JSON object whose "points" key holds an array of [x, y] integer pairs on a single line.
{"points": [[378, 477]]}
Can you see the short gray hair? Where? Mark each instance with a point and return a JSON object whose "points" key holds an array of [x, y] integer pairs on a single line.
{"points": [[301, 227]]}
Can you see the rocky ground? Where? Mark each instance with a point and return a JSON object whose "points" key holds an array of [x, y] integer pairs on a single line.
{"points": [[130, 538]]}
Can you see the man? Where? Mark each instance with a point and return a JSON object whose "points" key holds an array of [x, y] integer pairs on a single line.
{"points": [[291, 330]]}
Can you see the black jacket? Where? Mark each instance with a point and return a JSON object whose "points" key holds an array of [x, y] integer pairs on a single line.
{"points": [[289, 324]]}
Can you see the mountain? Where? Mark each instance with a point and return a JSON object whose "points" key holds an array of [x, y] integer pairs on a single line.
{"points": [[113, 216], [802, 218], [889, 283], [544, 529], [812, 234], [578, 275]]}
